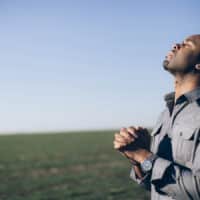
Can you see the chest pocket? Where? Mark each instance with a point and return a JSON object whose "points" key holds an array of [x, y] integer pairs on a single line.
{"points": [[184, 143]]}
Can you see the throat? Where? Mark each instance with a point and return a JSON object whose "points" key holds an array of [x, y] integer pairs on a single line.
{"points": [[184, 84]]}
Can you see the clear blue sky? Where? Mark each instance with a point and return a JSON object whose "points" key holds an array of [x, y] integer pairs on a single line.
{"points": [[74, 64]]}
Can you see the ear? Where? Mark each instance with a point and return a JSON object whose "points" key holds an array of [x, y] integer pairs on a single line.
{"points": [[197, 67]]}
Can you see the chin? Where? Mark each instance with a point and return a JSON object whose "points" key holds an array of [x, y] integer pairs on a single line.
{"points": [[167, 67], [165, 64]]}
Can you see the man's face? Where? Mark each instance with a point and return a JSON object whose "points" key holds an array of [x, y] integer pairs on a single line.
{"points": [[183, 57]]}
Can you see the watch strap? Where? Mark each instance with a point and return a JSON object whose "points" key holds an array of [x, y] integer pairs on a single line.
{"points": [[151, 159]]}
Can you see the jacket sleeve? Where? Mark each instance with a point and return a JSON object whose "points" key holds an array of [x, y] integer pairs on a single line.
{"points": [[179, 180], [176, 181], [144, 182], [171, 179]]}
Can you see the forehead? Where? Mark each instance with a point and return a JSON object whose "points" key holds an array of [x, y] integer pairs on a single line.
{"points": [[195, 39]]}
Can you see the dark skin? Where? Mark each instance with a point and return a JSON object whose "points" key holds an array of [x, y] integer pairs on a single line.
{"points": [[183, 62]]}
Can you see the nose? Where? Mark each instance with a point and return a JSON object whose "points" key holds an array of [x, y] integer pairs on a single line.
{"points": [[176, 46]]}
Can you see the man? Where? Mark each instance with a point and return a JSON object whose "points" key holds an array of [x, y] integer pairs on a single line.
{"points": [[170, 167]]}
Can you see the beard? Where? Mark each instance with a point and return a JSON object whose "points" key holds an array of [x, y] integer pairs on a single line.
{"points": [[165, 64], [166, 68], [175, 70]]}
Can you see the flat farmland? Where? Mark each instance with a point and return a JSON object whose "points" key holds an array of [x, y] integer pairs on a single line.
{"points": [[65, 166]]}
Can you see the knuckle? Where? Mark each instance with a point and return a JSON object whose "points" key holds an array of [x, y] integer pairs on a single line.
{"points": [[122, 129], [132, 128], [125, 134], [121, 133], [127, 137], [140, 128], [115, 145]]}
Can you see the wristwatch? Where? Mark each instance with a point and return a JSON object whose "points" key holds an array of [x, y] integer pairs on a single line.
{"points": [[147, 164]]}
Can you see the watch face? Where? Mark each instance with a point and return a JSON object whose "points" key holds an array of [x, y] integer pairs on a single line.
{"points": [[146, 165]]}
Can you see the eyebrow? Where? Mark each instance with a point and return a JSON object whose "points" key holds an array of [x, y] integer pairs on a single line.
{"points": [[189, 41]]}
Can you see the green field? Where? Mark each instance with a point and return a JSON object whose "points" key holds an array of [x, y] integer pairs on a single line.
{"points": [[81, 166]]}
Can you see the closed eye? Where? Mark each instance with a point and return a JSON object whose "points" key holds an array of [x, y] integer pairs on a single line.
{"points": [[188, 43], [185, 44]]}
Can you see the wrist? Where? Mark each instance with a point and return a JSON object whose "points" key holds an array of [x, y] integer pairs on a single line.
{"points": [[134, 163], [138, 171], [130, 157], [141, 155], [147, 164]]}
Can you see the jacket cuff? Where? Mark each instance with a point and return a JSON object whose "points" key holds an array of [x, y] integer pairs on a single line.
{"points": [[144, 181], [134, 177], [159, 168]]}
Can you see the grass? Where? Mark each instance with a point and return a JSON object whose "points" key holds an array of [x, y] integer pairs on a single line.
{"points": [[80, 166]]}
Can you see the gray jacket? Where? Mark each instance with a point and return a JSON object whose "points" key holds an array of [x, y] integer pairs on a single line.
{"points": [[175, 140]]}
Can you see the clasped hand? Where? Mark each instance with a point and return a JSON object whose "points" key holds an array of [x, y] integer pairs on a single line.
{"points": [[134, 143]]}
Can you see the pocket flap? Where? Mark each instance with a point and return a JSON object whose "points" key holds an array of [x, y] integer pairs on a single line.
{"points": [[186, 133]]}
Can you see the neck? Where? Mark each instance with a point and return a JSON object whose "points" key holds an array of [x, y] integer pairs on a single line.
{"points": [[185, 83]]}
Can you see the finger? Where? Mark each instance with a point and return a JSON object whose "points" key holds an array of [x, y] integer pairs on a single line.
{"points": [[126, 135], [123, 129], [140, 128], [121, 138], [118, 145], [117, 135], [133, 131]]}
